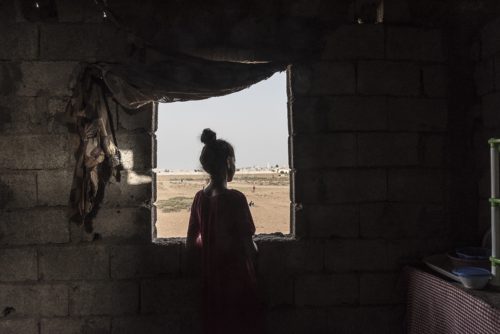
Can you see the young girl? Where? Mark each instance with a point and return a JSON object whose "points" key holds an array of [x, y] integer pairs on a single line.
{"points": [[221, 229]]}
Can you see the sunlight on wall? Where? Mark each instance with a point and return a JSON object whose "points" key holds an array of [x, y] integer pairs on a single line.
{"points": [[136, 179]]}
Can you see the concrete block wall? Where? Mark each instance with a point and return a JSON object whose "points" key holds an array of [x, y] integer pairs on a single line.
{"points": [[55, 278], [369, 127], [485, 113]]}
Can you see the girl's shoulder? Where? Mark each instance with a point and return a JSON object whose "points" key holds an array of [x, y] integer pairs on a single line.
{"points": [[236, 194]]}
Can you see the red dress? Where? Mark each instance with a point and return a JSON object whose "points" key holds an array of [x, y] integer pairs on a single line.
{"points": [[219, 226]]}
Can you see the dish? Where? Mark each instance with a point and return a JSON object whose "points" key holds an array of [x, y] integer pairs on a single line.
{"points": [[441, 264], [473, 277], [473, 253]]}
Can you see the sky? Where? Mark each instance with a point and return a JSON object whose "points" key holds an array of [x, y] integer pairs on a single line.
{"points": [[254, 121]]}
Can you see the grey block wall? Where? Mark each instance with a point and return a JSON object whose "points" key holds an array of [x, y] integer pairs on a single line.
{"points": [[486, 112], [369, 132]]}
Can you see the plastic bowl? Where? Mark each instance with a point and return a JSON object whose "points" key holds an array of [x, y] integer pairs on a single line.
{"points": [[459, 262], [473, 253], [473, 277]]}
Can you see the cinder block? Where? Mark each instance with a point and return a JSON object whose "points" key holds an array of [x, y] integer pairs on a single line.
{"points": [[148, 324], [94, 325], [10, 12], [483, 217], [340, 186], [434, 150], [35, 300], [36, 152], [328, 150], [113, 45], [489, 110], [355, 41], [416, 185], [480, 142], [344, 319], [403, 252], [417, 114], [323, 78], [10, 77], [18, 326], [338, 113], [104, 298], [484, 77], [134, 189], [397, 11], [387, 149], [18, 190], [15, 114], [86, 41], [54, 187], [435, 80], [484, 185], [18, 264], [308, 114], [497, 72], [276, 285], [136, 150], [304, 256], [490, 38], [357, 255], [46, 78], [327, 221], [304, 8], [367, 320], [74, 262], [78, 11], [388, 78], [326, 290], [357, 113], [30, 115], [296, 320], [119, 224], [162, 296], [381, 288], [276, 290], [415, 44], [69, 41], [402, 220], [475, 50], [19, 41], [52, 106], [39, 226], [145, 261]]}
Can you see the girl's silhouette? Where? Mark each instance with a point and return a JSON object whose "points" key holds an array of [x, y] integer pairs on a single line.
{"points": [[220, 230]]}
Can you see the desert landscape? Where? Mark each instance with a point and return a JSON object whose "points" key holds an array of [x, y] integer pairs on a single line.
{"points": [[267, 191]]}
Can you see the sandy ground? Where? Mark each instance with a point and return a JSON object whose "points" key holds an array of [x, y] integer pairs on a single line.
{"points": [[271, 212]]}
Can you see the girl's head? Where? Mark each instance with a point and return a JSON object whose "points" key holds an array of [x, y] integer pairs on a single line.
{"points": [[217, 157]]}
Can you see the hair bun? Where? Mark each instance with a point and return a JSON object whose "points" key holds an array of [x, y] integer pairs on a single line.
{"points": [[208, 136]]}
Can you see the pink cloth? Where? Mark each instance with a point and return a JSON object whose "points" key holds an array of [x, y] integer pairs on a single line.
{"points": [[220, 226]]}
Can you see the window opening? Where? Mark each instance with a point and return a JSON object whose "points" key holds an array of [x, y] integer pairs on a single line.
{"points": [[255, 122]]}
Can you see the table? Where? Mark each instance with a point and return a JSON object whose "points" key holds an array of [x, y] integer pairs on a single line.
{"points": [[437, 305]]}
